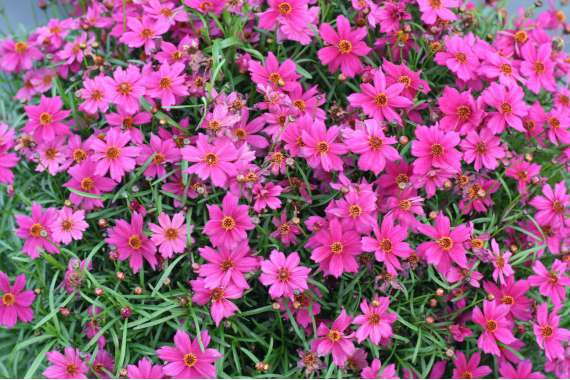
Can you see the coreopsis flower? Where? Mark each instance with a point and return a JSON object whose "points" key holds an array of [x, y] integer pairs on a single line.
{"points": [[218, 298], [206, 6], [284, 275], [162, 151], [132, 243], [403, 74], [469, 369], [187, 359], [169, 235], [344, 48], [374, 148], [551, 283], [227, 266], [69, 225], [15, 301], [538, 67], [126, 88], [293, 19], [320, 147], [285, 231], [496, 66], [388, 244], [228, 225], [460, 111], [266, 195], [53, 156], [495, 326], [375, 371], [483, 149], [68, 365], [433, 11], [165, 12], [102, 364], [36, 231], [435, 148], [558, 121], [95, 95], [129, 122], [145, 370], [334, 340], [214, 161], [18, 55], [549, 335], [45, 120], [522, 370], [512, 293], [144, 32], [447, 247], [523, 172], [167, 84], [378, 100], [459, 57], [84, 180], [501, 263], [335, 249], [375, 321], [357, 210], [279, 76], [553, 205], [113, 154], [509, 107]]}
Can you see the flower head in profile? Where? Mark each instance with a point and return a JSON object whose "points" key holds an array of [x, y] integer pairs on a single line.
{"points": [[283, 274], [228, 225], [187, 360], [496, 327], [132, 243], [68, 365], [15, 301], [344, 48], [334, 340], [375, 321], [378, 100], [169, 235]]}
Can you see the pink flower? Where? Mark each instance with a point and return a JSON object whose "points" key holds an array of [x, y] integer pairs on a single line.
{"points": [[512, 293], [501, 263], [266, 196], [357, 210], [522, 370], [218, 298], [206, 6], [18, 55], [459, 57], [144, 32], [68, 365], [132, 243], [448, 245], [113, 155], [497, 66], [95, 94], [170, 235], [126, 88], [376, 321], [187, 360], [484, 149], [553, 205], [379, 100], [227, 266], [162, 151], [558, 121], [336, 249], [461, 112], [549, 335], [36, 231], [167, 84], [285, 231], [538, 67], [7, 162], [145, 370], [229, 224], [375, 371], [334, 340], [373, 146], [293, 19], [435, 148], [320, 147], [523, 172], [496, 327], [215, 161], [432, 10], [102, 364], [388, 244], [465, 369], [15, 301], [45, 119], [346, 47], [273, 74], [284, 276], [551, 283], [69, 225], [509, 104], [413, 83], [84, 180]]}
